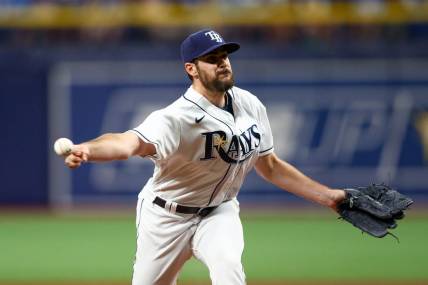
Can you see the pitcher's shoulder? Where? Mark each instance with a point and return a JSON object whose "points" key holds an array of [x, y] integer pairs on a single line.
{"points": [[181, 110], [244, 97]]}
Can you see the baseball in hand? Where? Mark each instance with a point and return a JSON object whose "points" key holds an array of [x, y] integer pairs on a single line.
{"points": [[63, 146]]}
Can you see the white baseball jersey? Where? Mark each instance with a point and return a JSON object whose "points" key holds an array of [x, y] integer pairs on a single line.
{"points": [[203, 152]]}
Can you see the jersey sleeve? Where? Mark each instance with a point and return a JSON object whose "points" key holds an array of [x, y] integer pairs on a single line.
{"points": [[266, 143], [162, 130]]}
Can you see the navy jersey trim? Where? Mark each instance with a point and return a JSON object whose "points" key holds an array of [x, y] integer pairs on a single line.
{"points": [[209, 114], [228, 190], [139, 217], [232, 92], [150, 141], [229, 105], [218, 184], [155, 156], [266, 150]]}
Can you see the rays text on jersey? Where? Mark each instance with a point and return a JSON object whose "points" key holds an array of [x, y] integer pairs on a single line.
{"points": [[238, 149]]}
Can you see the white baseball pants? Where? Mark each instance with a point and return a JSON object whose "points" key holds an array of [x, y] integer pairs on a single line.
{"points": [[165, 241]]}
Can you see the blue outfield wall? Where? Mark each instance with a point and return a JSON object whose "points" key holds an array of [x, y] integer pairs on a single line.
{"points": [[23, 144], [343, 121]]}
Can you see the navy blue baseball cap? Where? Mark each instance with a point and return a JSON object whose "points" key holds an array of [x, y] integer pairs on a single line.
{"points": [[204, 42]]}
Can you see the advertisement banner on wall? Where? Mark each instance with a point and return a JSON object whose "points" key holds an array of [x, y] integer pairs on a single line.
{"points": [[342, 122]]}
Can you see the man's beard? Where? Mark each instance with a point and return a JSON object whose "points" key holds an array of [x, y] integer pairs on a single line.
{"points": [[216, 84]]}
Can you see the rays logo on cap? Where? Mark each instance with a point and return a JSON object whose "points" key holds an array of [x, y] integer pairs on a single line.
{"points": [[214, 36], [203, 42]]}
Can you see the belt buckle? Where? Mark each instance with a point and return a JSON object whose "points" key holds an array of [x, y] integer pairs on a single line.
{"points": [[203, 212]]}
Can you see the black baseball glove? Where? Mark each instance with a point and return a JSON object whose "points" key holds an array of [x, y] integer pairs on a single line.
{"points": [[374, 209]]}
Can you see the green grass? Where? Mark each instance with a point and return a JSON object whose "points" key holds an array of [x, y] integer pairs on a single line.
{"points": [[44, 248], [329, 249]]}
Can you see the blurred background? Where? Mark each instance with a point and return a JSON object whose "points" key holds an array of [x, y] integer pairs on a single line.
{"points": [[345, 84]]}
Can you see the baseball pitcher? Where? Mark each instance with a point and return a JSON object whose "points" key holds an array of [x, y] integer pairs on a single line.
{"points": [[202, 146]]}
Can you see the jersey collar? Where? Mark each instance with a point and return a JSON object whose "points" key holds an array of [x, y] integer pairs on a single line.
{"points": [[205, 104], [197, 97]]}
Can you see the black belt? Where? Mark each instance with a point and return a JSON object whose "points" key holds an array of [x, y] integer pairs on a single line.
{"points": [[203, 212]]}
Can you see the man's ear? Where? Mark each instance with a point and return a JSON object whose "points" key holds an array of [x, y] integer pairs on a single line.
{"points": [[191, 69]]}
